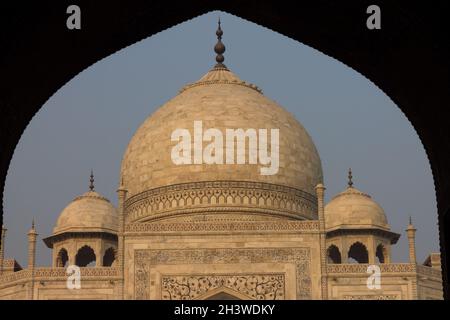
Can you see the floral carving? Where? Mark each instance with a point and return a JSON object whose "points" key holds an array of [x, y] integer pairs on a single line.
{"points": [[147, 258], [260, 287]]}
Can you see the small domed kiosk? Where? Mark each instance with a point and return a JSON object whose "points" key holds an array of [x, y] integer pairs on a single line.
{"points": [[357, 228], [85, 233]]}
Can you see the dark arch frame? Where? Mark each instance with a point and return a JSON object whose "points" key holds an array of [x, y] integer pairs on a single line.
{"points": [[407, 59], [84, 256], [381, 253], [62, 258], [358, 251], [334, 254], [109, 257]]}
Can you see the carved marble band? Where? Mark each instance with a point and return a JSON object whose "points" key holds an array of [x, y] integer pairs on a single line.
{"points": [[226, 227], [221, 196]]}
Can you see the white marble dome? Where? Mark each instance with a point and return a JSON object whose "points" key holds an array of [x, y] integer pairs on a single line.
{"points": [[220, 100], [354, 209], [90, 212]]}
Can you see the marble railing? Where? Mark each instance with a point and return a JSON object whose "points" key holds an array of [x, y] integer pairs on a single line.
{"points": [[99, 272], [429, 272], [8, 263], [362, 268], [45, 273], [15, 276]]}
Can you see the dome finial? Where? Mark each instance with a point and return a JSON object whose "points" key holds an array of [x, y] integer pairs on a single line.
{"points": [[91, 186], [219, 48], [350, 182], [33, 228]]}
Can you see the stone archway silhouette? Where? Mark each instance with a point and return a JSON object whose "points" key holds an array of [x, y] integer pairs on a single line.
{"points": [[407, 59]]}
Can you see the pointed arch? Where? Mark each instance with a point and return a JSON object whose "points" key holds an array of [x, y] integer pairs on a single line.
{"points": [[109, 257], [358, 253], [381, 253], [333, 254], [85, 257], [62, 258]]}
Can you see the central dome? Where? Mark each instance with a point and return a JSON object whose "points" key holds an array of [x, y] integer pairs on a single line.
{"points": [[275, 178], [222, 101]]}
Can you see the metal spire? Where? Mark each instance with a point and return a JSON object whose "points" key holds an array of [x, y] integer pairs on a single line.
{"points": [[350, 182], [32, 230], [91, 186], [219, 48]]}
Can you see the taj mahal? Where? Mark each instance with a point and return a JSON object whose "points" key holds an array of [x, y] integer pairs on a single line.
{"points": [[220, 229]]}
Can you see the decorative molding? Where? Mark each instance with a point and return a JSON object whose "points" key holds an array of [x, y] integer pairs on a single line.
{"points": [[65, 235], [146, 259], [344, 230], [221, 196], [256, 286], [372, 297], [221, 81], [214, 227]]}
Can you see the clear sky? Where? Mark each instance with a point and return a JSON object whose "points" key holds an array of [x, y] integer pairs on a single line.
{"points": [[89, 121]]}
